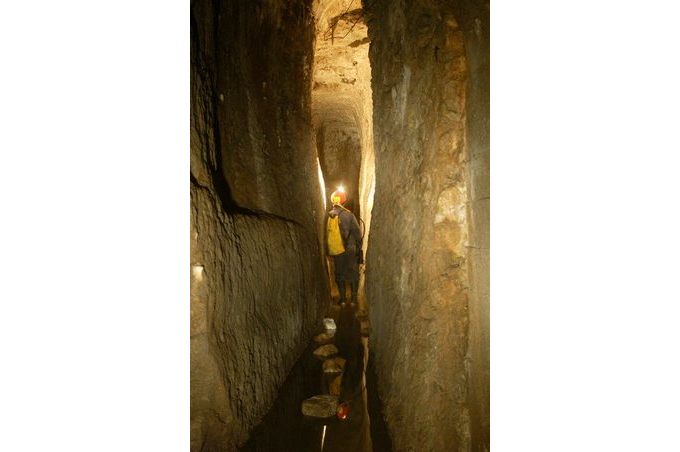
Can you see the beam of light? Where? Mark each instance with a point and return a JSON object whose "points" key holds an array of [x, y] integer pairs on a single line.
{"points": [[322, 184], [197, 271], [323, 436]]}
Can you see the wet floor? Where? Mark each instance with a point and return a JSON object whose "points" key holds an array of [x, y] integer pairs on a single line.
{"points": [[285, 429]]}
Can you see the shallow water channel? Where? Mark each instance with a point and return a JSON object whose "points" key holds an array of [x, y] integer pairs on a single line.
{"points": [[285, 429]]}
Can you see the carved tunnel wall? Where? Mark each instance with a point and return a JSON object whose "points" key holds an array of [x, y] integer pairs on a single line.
{"points": [[427, 264], [258, 284]]}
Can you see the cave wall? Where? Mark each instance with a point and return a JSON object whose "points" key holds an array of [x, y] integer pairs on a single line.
{"points": [[258, 281], [427, 263], [474, 19]]}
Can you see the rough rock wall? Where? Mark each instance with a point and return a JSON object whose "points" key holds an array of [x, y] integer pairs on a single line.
{"points": [[427, 286], [258, 284], [474, 20], [264, 52]]}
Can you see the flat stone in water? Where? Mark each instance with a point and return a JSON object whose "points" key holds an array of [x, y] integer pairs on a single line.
{"points": [[326, 351], [329, 324], [320, 406], [323, 338], [340, 362]]}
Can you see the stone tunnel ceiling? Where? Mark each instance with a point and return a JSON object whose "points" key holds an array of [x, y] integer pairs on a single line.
{"points": [[341, 99]]}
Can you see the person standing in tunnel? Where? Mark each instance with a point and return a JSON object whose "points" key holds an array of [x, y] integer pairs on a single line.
{"points": [[346, 264]]}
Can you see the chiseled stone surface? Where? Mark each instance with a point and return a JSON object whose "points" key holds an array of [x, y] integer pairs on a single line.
{"points": [[340, 361], [258, 283], [329, 325], [320, 406], [324, 338], [326, 351], [427, 263]]}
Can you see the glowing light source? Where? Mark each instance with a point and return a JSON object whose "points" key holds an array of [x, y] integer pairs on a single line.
{"points": [[322, 184], [323, 436], [341, 189], [343, 411]]}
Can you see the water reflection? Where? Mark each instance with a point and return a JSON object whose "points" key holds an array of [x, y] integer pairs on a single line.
{"points": [[285, 429]]}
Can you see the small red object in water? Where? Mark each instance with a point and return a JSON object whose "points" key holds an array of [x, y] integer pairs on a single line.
{"points": [[343, 411]]}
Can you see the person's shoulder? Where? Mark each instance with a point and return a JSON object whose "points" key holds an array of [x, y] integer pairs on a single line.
{"points": [[346, 212]]}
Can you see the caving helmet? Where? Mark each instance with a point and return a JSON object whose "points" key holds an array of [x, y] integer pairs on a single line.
{"points": [[339, 196]]}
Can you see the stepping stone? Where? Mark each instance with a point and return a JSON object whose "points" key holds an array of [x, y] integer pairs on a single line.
{"points": [[331, 367], [340, 362], [326, 351], [329, 324], [323, 338], [336, 386], [320, 406]]}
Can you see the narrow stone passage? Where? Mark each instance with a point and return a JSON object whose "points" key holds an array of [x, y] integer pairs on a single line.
{"points": [[292, 100]]}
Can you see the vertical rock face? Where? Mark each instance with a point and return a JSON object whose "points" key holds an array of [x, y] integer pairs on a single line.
{"points": [[258, 284], [475, 20], [427, 263]]}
